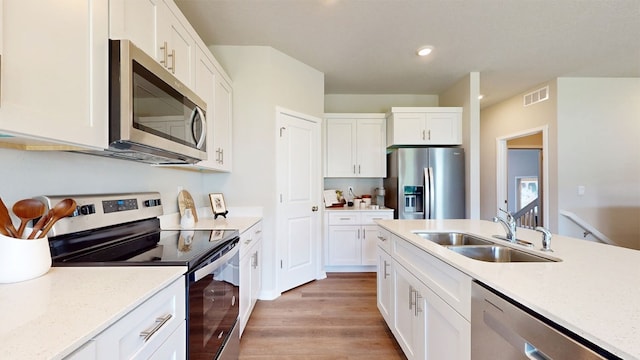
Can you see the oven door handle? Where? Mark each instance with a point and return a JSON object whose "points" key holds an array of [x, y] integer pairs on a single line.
{"points": [[200, 273]]}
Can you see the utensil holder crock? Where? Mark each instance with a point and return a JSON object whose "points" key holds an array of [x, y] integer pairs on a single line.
{"points": [[23, 259]]}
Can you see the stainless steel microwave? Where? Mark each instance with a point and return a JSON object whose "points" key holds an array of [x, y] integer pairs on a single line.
{"points": [[153, 117]]}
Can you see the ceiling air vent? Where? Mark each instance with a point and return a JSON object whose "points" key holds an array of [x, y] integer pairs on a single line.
{"points": [[536, 96]]}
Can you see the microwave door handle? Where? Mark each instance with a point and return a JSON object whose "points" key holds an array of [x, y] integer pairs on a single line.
{"points": [[197, 111]]}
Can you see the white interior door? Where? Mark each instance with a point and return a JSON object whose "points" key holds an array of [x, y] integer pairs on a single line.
{"points": [[298, 166]]}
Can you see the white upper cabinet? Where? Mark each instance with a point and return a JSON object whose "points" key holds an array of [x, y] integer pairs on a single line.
{"points": [[158, 28], [424, 126], [136, 21], [215, 89], [223, 116], [355, 145], [54, 74]]}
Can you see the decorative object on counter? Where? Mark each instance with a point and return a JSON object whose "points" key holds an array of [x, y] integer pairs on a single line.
{"points": [[333, 198], [366, 200], [380, 192], [22, 260], [185, 201], [187, 221], [218, 205]]}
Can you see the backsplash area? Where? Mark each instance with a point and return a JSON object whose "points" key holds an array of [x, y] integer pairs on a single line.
{"points": [[31, 173], [361, 186]]}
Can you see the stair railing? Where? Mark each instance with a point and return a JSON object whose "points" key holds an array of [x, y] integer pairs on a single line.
{"points": [[588, 228], [528, 216]]}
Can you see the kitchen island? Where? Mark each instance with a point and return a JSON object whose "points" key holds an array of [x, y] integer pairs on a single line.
{"points": [[594, 291]]}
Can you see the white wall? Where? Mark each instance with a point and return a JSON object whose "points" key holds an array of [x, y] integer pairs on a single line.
{"points": [[263, 78], [31, 173], [374, 103], [465, 94], [599, 148], [512, 117]]}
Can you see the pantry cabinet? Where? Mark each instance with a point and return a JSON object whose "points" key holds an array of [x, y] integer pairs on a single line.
{"points": [[159, 28], [428, 306], [424, 126], [355, 145], [351, 238], [250, 271], [54, 76]]}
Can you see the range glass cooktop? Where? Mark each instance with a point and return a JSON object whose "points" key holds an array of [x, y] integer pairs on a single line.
{"points": [[162, 247]]}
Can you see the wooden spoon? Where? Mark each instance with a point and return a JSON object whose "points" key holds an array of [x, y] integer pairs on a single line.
{"points": [[62, 209], [27, 209], [5, 221]]}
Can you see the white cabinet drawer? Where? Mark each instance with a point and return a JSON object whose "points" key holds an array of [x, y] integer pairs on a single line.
{"points": [[344, 218], [452, 285], [157, 317], [384, 239], [370, 217]]}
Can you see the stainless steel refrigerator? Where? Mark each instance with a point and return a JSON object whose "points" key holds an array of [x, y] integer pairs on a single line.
{"points": [[426, 183]]}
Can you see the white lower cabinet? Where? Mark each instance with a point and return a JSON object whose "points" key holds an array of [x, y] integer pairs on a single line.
{"points": [[425, 325], [385, 288], [156, 329], [351, 238], [250, 271]]}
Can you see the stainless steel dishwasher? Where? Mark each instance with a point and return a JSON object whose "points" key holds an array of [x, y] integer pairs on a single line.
{"points": [[504, 329]]}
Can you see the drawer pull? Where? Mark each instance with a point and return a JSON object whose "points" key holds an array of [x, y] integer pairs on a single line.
{"points": [[159, 323], [382, 238], [221, 334], [345, 218]]}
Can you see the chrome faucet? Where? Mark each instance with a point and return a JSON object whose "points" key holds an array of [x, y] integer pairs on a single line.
{"points": [[546, 238], [509, 224]]}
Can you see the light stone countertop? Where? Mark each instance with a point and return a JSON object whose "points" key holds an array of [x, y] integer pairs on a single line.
{"points": [[594, 291], [207, 222], [353, 208], [50, 316]]}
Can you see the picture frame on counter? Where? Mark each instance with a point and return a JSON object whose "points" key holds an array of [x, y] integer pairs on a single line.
{"points": [[218, 205]]}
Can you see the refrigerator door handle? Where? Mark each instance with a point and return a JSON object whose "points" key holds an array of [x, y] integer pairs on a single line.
{"points": [[429, 196]]}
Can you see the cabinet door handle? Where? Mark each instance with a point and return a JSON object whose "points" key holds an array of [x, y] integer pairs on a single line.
{"points": [[358, 233], [221, 156], [384, 271], [429, 135], [146, 334], [417, 304], [165, 52], [359, 170], [173, 61], [423, 137], [411, 298], [354, 169]]}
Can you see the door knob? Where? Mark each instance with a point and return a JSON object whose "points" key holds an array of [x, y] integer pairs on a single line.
{"points": [[314, 208]]}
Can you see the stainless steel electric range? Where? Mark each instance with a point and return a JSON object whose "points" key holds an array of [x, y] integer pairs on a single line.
{"points": [[124, 230]]}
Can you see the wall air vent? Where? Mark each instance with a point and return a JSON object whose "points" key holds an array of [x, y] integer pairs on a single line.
{"points": [[536, 96]]}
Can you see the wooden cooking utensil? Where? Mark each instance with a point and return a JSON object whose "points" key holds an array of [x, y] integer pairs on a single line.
{"points": [[27, 209], [62, 209], [5, 221]]}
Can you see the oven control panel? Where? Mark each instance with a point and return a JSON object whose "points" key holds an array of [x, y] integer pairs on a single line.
{"points": [[96, 211]]}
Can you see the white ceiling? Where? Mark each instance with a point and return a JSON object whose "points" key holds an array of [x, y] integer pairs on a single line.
{"points": [[368, 46]]}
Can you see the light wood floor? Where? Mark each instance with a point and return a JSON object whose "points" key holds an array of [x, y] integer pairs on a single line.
{"points": [[335, 318]]}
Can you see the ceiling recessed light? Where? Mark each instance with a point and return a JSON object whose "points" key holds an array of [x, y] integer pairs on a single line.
{"points": [[480, 97], [424, 51]]}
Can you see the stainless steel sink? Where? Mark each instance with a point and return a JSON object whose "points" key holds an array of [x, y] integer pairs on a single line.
{"points": [[453, 239], [497, 253]]}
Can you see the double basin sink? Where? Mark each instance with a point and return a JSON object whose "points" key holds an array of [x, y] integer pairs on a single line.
{"points": [[477, 248]]}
